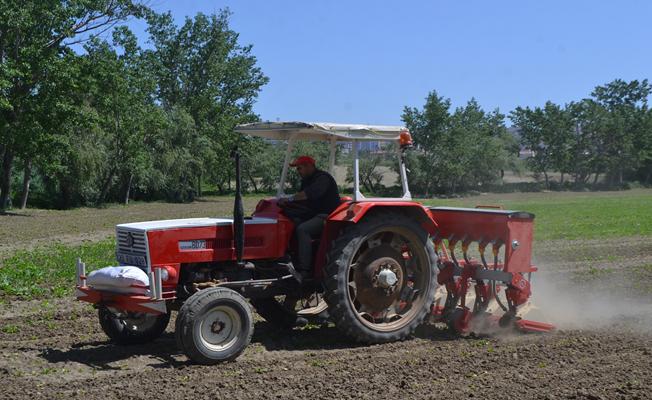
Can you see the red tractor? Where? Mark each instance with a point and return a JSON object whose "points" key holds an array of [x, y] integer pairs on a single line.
{"points": [[377, 264]]}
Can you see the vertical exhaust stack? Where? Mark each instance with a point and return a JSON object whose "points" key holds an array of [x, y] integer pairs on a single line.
{"points": [[238, 211]]}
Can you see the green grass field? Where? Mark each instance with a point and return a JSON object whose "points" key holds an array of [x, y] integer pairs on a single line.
{"points": [[49, 271], [576, 215]]}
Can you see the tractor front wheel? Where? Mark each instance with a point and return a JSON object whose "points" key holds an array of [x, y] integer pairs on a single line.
{"points": [[380, 278], [214, 325], [132, 328]]}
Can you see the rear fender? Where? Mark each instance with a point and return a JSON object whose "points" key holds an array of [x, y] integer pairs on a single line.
{"points": [[355, 212], [352, 213]]}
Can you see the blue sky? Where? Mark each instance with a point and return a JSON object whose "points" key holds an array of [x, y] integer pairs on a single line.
{"points": [[363, 61]]}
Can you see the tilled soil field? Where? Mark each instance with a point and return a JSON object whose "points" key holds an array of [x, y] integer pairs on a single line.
{"points": [[63, 354], [55, 349]]}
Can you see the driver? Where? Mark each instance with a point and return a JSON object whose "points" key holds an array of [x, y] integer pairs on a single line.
{"points": [[319, 196]]}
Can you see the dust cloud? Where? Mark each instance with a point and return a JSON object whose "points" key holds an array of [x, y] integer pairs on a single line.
{"points": [[593, 304]]}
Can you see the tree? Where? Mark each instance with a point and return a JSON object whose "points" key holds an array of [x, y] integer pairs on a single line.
{"points": [[175, 163], [427, 127], [549, 132], [369, 175], [624, 133], [33, 35], [478, 145], [587, 153], [201, 68], [122, 92], [50, 114], [261, 164], [455, 151], [644, 143], [612, 133]]}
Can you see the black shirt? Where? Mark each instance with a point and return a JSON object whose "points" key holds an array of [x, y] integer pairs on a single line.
{"points": [[321, 191]]}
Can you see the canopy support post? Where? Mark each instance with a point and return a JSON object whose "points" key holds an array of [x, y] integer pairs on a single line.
{"points": [[286, 164], [331, 157], [357, 195], [403, 172]]}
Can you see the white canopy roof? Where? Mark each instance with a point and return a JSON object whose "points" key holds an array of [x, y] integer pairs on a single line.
{"points": [[320, 131]]}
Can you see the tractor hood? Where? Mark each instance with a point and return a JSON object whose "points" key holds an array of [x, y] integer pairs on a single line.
{"points": [[196, 240], [188, 223]]}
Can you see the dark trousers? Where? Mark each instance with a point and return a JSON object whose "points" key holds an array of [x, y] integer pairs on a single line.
{"points": [[307, 231]]}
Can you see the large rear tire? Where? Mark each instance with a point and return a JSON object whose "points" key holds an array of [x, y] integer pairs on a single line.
{"points": [[214, 325], [132, 328], [380, 278]]}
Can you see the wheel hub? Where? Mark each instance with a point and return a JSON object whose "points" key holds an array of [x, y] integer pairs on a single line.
{"points": [[217, 326], [378, 283], [386, 274], [387, 278]]}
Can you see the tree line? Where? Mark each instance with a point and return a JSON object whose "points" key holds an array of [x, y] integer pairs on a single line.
{"points": [[88, 116], [607, 134], [604, 140]]}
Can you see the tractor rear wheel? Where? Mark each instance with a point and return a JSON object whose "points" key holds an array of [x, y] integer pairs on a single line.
{"points": [[214, 325], [132, 328], [380, 278]]}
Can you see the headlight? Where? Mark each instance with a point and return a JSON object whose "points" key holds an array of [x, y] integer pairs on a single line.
{"points": [[165, 275]]}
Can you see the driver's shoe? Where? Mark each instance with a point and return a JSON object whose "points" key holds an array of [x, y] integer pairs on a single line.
{"points": [[300, 322]]}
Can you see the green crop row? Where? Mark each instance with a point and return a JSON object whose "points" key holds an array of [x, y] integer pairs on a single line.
{"points": [[50, 271]]}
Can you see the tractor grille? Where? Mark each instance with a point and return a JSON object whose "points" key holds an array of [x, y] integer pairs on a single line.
{"points": [[131, 248]]}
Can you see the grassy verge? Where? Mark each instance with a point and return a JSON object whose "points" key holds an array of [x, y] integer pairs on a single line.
{"points": [[50, 271]]}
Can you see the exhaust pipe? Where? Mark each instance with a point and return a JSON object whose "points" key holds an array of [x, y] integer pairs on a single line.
{"points": [[238, 211]]}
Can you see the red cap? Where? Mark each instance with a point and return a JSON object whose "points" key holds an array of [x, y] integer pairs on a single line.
{"points": [[302, 161]]}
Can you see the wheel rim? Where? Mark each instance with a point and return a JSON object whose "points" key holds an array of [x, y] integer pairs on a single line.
{"points": [[218, 328], [388, 278]]}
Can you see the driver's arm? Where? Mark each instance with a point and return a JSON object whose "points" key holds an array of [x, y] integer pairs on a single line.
{"points": [[299, 196], [316, 190], [295, 197]]}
